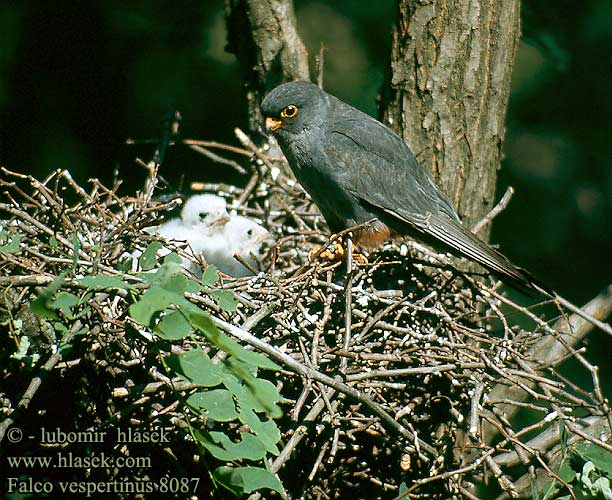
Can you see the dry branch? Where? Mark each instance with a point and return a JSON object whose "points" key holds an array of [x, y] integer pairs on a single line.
{"points": [[402, 370]]}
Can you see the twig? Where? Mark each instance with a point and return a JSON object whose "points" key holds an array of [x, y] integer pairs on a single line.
{"points": [[218, 159], [304, 371], [495, 211], [474, 404], [348, 302]]}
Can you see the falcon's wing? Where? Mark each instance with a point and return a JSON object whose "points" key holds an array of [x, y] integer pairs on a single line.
{"points": [[383, 174], [370, 152]]}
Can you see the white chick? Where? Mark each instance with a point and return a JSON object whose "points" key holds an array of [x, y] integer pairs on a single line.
{"points": [[174, 229], [200, 207], [245, 237], [216, 235]]}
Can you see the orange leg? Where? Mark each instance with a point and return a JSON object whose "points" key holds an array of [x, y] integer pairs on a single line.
{"points": [[337, 251]]}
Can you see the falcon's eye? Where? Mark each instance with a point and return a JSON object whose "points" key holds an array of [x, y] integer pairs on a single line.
{"points": [[290, 111]]}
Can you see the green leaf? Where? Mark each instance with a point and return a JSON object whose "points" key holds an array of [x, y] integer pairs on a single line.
{"points": [[264, 396], [210, 275], [267, 431], [566, 472], [151, 302], [217, 405], [196, 366], [41, 305], [226, 299], [203, 323], [12, 246], [173, 258], [64, 301], [193, 286], [60, 328], [53, 242], [601, 458], [231, 379], [563, 435], [257, 359], [223, 448], [256, 394], [175, 282], [247, 479], [104, 281], [22, 350], [174, 326], [125, 265], [166, 272], [603, 486], [148, 259]]}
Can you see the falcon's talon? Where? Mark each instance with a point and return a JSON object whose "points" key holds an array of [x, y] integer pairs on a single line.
{"points": [[333, 252], [360, 259]]}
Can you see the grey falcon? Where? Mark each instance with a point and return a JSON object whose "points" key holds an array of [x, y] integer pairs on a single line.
{"points": [[358, 170]]}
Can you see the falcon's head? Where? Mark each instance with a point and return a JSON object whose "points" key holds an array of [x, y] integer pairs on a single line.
{"points": [[294, 107]]}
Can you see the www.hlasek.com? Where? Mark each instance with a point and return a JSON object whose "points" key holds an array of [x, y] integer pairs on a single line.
{"points": [[89, 488], [68, 460]]}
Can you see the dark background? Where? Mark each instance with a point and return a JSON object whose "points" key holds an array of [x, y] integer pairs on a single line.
{"points": [[79, 78]]}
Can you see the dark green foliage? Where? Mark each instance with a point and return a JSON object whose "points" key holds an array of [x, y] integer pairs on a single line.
{"points": [[587, 468], [231, 391], [230, 394], [9, 243]]}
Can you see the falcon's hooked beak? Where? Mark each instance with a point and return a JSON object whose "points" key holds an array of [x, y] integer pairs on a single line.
{"points": [[273, 124]]}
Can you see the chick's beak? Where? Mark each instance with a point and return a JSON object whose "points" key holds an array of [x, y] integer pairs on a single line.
{"points": [[272, 124]]}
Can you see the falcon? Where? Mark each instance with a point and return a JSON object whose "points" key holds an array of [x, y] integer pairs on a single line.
{"points": [[360, 173]]}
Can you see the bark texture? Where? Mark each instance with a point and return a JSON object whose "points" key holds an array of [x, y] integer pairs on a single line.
{"points": [[447, 92], [264, 38]]}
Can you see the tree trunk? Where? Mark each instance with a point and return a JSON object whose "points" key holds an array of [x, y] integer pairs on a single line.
{"points": [[263, 36], [447, 92]]}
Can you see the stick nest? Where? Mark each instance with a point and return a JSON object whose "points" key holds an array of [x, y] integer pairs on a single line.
{"points": [[440, 382]]}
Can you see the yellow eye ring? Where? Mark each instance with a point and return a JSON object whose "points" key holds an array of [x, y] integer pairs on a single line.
{"points": [[290, 111]]}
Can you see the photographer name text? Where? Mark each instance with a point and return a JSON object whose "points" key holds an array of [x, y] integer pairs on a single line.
{"points": [[58, 436]]}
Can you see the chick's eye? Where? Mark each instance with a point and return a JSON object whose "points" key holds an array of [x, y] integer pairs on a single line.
{"points": [[290, 111]]}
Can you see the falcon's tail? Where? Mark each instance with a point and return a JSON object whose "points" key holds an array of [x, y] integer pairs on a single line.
{"points": [[461, 240]]}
